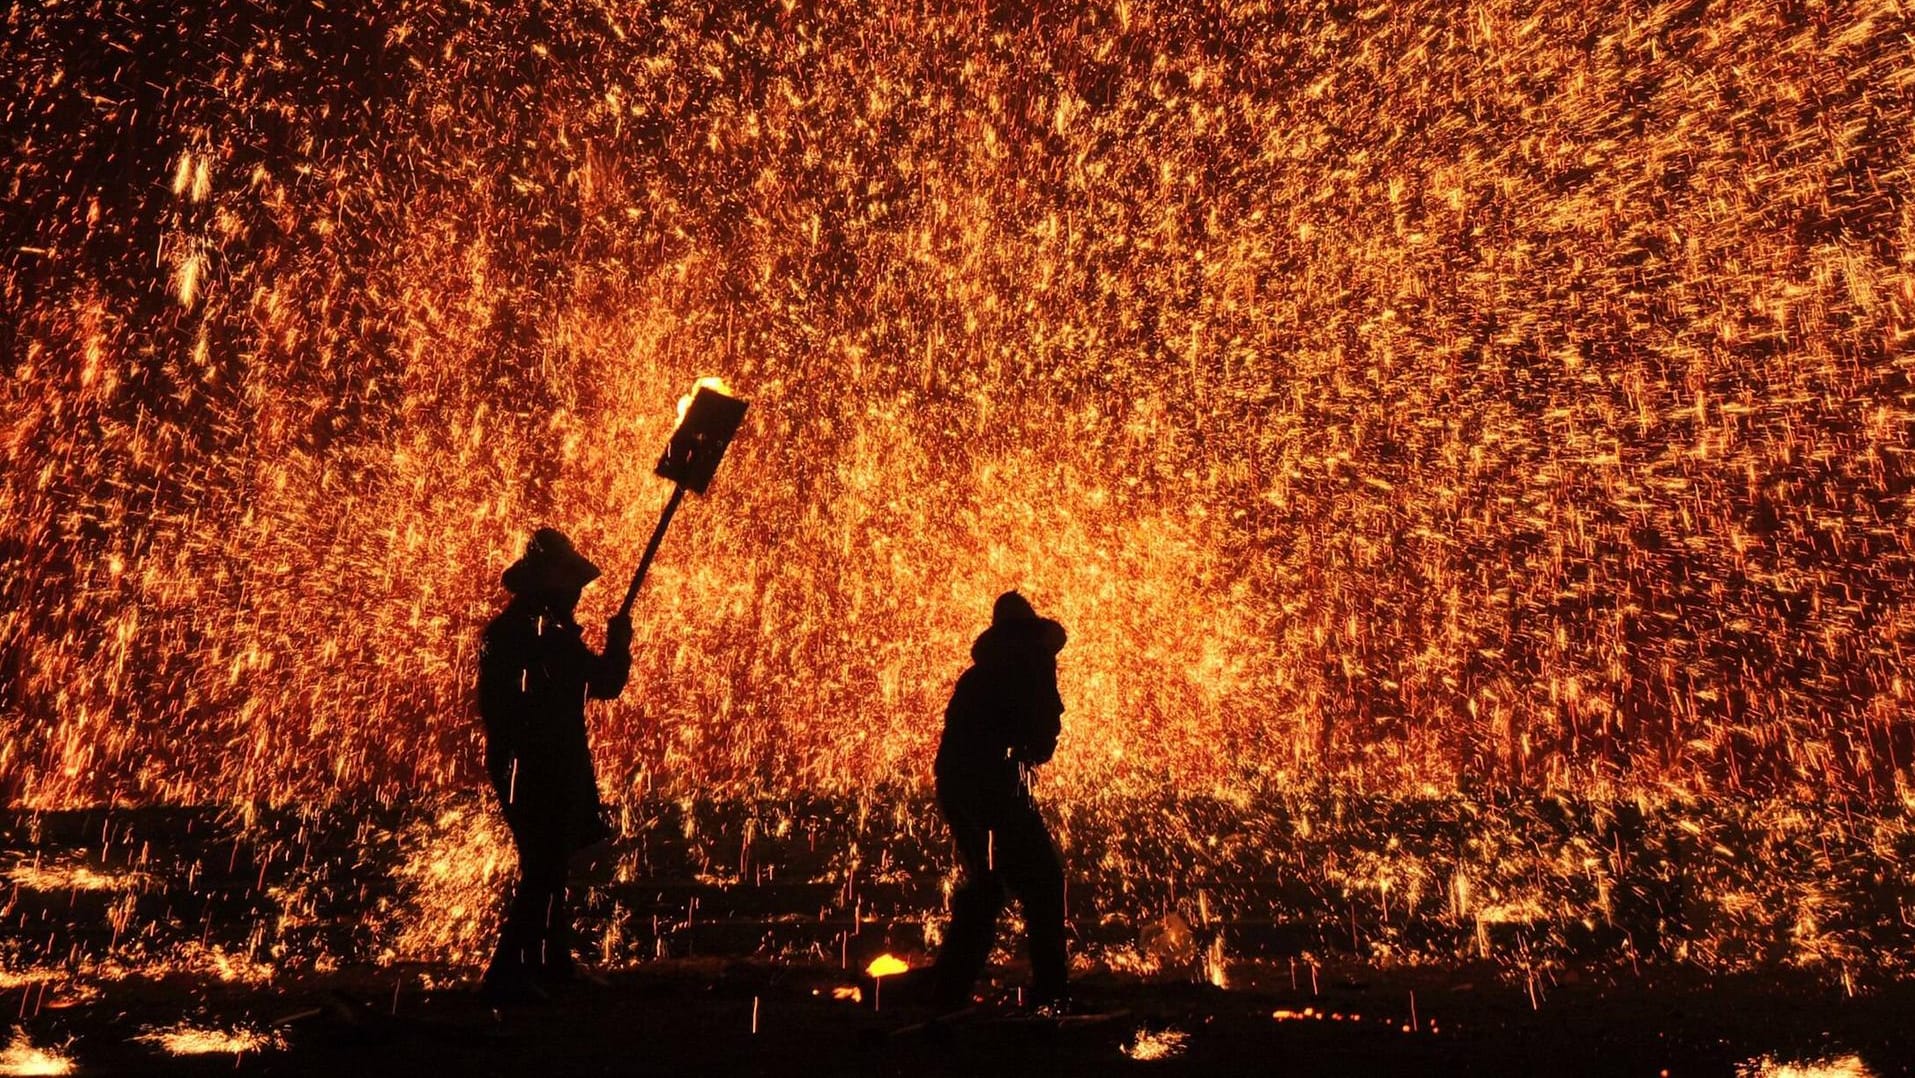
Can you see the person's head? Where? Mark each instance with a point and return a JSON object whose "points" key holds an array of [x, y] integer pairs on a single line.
{"points": [[1011, 606], [563, 601], [551, 573], [1014, 621]]}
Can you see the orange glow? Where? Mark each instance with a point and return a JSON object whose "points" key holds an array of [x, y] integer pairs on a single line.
{"points": [[886, 965], [1156, 1044], [1412, 399], [21, 1057], [187, 1039], [71, 877], [1848, 1066], [712, 383]]}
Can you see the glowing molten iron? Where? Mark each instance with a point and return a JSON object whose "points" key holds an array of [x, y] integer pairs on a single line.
{"points": [[1430, 396], [710, 382]]}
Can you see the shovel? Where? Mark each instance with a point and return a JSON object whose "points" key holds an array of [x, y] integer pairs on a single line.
{"points": [[690, 460]]}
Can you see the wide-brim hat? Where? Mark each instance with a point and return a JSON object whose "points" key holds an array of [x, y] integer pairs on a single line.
{"points": [[550, 563]]}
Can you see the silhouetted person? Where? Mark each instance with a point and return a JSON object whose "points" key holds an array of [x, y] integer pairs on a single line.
{"points": [[1003, 720], [535, 674]]}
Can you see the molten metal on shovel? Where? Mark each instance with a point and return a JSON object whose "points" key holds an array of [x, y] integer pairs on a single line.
{"points": [[690, 460]]}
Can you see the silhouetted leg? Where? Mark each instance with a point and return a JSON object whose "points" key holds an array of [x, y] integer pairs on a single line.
{"points": [[556, 956], [974, 908], [538, 897], [1029, 862]]}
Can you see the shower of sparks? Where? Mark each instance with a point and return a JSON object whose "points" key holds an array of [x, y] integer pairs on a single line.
{"points": [[1417, 396], [1156, 1044], [187, 1039], [70, 877], [1216, 966], [451, 869], [22, 1058], [1839, 1067]]}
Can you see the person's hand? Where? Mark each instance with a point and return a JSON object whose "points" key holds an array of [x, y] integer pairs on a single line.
{"points": [[618, 633]]}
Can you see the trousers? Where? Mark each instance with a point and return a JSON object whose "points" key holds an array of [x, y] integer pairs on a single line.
{"points": [[536, 935], [1004, 848]]}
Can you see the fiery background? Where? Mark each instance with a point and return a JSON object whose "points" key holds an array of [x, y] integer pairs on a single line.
{"points": [[1408, 396]]}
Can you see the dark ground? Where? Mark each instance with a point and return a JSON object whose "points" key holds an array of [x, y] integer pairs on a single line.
{"points": [[1692, 940], [695, 1017]]}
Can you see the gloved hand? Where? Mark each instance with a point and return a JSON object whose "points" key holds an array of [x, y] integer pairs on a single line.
{"points": [[618, 634]]}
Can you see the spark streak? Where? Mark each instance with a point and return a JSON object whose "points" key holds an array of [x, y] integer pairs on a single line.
{"points": [[1426, 397]]}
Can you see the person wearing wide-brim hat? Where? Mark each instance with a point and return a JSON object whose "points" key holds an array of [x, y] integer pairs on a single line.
{"points": [[1003, 721], [535, 674]]}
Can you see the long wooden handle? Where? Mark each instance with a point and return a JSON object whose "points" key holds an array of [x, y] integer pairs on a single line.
{"points": [[651, 549]]}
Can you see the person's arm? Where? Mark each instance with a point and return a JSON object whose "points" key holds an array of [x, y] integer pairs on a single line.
{"points": [[610, 670], [1042, 715], [501, 681]]}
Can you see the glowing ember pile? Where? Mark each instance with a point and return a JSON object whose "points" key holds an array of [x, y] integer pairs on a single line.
{"points": [[187, 1039], [1415, 394], [1156, 1044], [1847, 1066], [21, 1057], [886, 965], [73, 877]]}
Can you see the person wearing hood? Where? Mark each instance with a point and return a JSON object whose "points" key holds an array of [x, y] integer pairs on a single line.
{"points": [[535, 674], [1003, 721]]}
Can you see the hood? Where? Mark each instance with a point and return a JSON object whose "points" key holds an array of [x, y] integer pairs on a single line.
{"points": [[1009, 640]]}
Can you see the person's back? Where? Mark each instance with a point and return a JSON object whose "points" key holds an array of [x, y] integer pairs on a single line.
{"points": [[535, 675], [1003, 719], [1005, 710]]}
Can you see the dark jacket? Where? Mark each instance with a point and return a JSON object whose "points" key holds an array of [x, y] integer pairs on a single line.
{"points": [[1005, 712], [535, 674]]}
